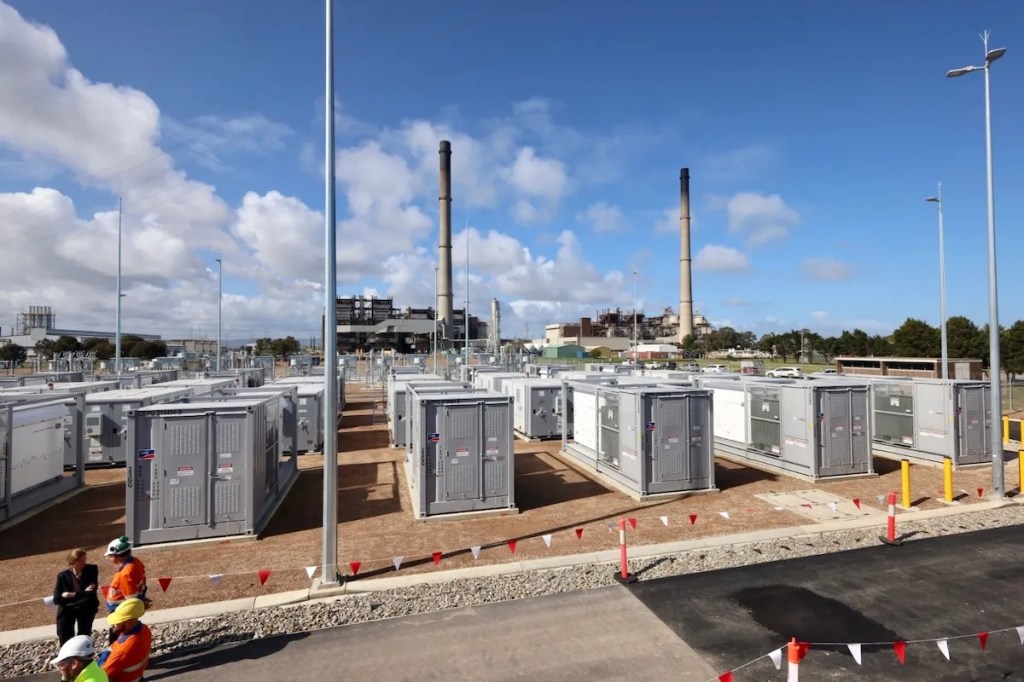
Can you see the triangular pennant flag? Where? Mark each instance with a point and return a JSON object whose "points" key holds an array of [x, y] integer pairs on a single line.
{"points": [[1020, 634], [693, 519], [776, 657], [611, 527], [881, 499], [724, 515], [579, 533], [901, 651], [802, 649], [474, 550], [632, 523], [264, 574], [664, 520], [943, 647], [164, 583], [855, 652], [780, 509], [512, 546], [436, 556], [354, 565], [980, 491], [215, 578], [397, 562], [809, 506], [725, 677], [310, 570], [49, 602], [983, 640], [547, 539], [856, 502], [833, 506]]}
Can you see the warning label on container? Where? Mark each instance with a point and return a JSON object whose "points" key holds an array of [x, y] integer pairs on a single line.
{"points": [[225, 468], [175, 481], [492, 439], [673, 439], [224, 455], [894, 402], [492, 451], [462, 452], [186, 471], [629, 454]]}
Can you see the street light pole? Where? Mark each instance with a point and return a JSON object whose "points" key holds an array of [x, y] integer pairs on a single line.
{"points": [[995, 366], [220, 306], [636, 347], [433, 335], [942, 285], [117, 333]]}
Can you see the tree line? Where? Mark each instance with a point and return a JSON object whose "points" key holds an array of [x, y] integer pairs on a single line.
{"points": [[103, 349], [913, 339]]}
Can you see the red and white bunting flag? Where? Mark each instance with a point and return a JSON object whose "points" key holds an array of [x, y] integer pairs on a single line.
{"points": [[664, 520], [900, 648], [164, 583], [1020, 634], [833, 506], [881, 499], [354, 565], [780, 509], [546, 538], [512, 546], [475, 551], [215, 578], [264, 574], [855, 652], [856, 502], [943, 647], [436, 556], [980, 491], [724, 515], [632, 523], [983, 640], [579, 533], [310, 570], [776, 657], [693, 519], [397, 562], [809, 506], [611, 527], [725, 677], [49, 602]]}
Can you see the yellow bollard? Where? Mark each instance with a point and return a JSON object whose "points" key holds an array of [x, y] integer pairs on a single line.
{"points": [[1020, 470], [905, 475], [1006, 429], [947, 480]]}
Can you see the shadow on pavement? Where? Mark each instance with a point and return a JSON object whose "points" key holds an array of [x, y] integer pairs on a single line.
{"points": [[182, 663]]}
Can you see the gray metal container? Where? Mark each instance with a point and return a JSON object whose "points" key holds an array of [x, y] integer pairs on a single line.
{"points": [[106, 421], [819, 429], [311, 418], [646, 440], [493, 381], [316, 381], [536, 406], [204, 469], [399, 405], [284, 418], [413, 390], [462, 456]]}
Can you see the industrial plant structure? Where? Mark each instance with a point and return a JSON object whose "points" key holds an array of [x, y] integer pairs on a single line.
{"points": [[38, 322]]}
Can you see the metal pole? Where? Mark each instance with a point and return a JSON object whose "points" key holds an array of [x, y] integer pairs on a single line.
{"points": [[636, 348], [329, 563], [466, 316], [942, 290], [117, 333], [433, 335], [998, 486], [220, 304]]}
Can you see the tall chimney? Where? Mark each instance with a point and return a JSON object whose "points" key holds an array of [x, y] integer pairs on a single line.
{"points": [[444, 271], [685, 277]]}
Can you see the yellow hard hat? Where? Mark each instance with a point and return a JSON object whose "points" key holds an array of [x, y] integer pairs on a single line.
{"points": [[129, 609]]}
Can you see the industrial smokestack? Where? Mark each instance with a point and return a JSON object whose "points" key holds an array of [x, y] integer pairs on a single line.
{"points": [[444, 271], [685, 277]]}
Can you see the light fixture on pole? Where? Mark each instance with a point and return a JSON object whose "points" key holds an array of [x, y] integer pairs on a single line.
{"points": [[636, 347], [996, 435], [220, 305], [942, 285]]}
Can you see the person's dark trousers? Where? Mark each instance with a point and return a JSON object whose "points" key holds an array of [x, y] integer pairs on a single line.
{"points": [[69, 618]]}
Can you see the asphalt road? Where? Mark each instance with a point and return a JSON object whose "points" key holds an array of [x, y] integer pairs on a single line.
{"points": [[688, 628]]}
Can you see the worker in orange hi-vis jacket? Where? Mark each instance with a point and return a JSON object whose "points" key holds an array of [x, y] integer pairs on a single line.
{"points": [[130, 574], [130, 643]]}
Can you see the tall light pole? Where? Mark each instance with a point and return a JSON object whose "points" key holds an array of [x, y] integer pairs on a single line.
{"points": [[998, 486], [329, 558], [220, 306], [117, 332], [433, 335], [942, 285], [636, 347]]}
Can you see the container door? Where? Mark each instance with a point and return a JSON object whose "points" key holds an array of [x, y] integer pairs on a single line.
{"points": [[608, 430], [669, 439], [496, 450], [5, 455], [227, 482], [836, 447], [974, 416], [462, 451], [183, 449]]}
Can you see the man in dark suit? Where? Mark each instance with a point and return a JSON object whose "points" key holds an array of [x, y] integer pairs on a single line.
{"points": [[75, 596]]}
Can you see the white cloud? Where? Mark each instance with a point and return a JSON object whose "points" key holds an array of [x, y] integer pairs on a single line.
{"points": [[717, 258], [820, 316], [736, 302], [760, 218], [541, 183], [668, 223], [211, 138], [602, 217], [739, 163], [825, 269]]}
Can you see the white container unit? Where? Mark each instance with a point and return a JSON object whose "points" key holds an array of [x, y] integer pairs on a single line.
{"points": [[644, 440], [536, 407], [106, 421], [200, 387], [316, 381], [204, 470], [492, 381], [462, 458], [815, 429], [36, 435]]}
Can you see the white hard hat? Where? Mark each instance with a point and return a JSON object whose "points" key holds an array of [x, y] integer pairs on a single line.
{"points": [[76, 647], [118, 546]]}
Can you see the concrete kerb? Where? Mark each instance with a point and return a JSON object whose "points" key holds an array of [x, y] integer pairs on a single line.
{"points": [[364, 586]]}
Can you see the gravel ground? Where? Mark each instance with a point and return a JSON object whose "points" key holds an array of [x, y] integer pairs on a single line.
{"points": [[177, 637]]}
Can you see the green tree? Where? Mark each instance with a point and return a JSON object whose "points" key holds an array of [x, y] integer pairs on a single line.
{"points": [[916, 339], [65, 344], [965, 339], [853, 344], [264, 346], [766, 344], [880, 346], [286, 346], [146, 350], [103, 349], [44, 347], [13, 353], [1012, 348], [128, 343]]}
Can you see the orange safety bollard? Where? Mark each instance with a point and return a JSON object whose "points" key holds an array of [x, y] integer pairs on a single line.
{"points": [[793, 657], [890, 526], [623, 575]]}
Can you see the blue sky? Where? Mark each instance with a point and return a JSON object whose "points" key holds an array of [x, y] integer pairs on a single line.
{"points": [[813, 132]]}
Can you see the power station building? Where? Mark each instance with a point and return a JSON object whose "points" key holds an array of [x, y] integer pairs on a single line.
{"points": [[371, 323]]}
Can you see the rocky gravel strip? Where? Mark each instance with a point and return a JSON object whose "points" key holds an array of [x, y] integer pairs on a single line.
{"points": [[178, 637]]}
